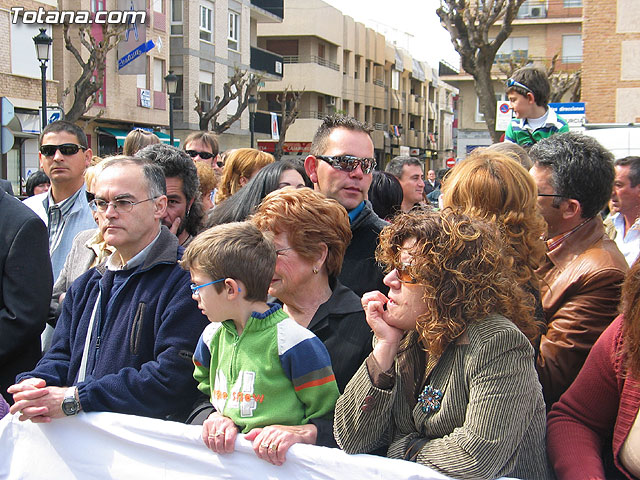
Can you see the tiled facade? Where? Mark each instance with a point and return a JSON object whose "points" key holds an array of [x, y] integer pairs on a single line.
{"points": [[611, 81]]}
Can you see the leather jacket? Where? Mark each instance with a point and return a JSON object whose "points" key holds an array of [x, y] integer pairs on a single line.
{"points": [[580, 282]]}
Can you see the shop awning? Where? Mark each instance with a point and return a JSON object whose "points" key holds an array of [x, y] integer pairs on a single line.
{"points": [[119, 135], [164, 138]]}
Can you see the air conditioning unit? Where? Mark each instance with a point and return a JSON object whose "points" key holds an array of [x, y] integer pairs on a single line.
{"points": [[537, 12], [331, 101]]}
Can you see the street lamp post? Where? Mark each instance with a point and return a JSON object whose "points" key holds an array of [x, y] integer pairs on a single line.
{"points": [[43, 43], [172, 88], [253, 104]]}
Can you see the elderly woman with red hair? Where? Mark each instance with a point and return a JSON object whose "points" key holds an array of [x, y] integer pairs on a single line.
{"points": [[311, 233]]}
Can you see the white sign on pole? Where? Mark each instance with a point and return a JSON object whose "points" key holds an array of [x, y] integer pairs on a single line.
{"points": [[503, 115], [275, 131]]}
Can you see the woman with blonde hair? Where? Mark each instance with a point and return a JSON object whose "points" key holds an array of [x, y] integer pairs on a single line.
{"points": [[239, 167], [451, 382], [311, 234], [137, 139], [493, 186]]}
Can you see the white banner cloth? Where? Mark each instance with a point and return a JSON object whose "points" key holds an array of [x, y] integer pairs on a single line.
{"points": [[116, 446]]}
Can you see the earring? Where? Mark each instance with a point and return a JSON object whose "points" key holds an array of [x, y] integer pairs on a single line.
{"points": [[315, 270]]}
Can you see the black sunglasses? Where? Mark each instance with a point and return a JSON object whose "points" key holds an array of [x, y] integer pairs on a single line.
{"points": [[90, 196], [349, 163], [203, 155], [65, 149], [220, 164]]}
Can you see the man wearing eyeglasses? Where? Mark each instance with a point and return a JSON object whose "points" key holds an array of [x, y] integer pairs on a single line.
{"points": [[340, 166], [583, 270], [64, 156], [125, 337]]}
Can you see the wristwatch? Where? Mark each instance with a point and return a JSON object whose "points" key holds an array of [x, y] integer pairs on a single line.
{"points": [[71, 404]]}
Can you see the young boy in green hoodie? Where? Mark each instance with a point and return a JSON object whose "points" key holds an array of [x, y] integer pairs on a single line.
{"points": [[257, 365]]}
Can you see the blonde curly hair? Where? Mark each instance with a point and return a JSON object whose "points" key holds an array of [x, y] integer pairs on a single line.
{"points": [[460, 262], [493, 186]]}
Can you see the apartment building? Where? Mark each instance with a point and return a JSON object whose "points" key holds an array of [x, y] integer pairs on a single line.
{"points": [[542, 29], [342, 66], [209, 40], [611, 81]]}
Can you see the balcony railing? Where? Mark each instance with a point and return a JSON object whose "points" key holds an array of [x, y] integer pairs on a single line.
{"points": [[265, 61], [311, 59], [275, 7]]}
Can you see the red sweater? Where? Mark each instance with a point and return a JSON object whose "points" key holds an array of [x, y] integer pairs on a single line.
{"points": [[595, 414]]}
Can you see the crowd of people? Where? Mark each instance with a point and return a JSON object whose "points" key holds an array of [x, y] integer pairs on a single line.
{"points": [[325, 302]]}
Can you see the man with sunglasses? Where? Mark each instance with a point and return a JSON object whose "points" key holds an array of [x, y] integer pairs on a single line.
{"points": [[64, 156], [203, 147], [340, 166], [125, 338], [528, 91], [583, 270]]}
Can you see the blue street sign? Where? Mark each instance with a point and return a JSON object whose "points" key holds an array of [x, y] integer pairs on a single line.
{"points": [[135, 53]]}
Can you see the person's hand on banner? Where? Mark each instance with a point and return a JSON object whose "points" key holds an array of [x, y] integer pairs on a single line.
{"points": [[37, 402], [271, 443], [219, 433]]}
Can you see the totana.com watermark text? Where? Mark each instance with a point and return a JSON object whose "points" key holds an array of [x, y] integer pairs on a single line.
{"points": [[83, 17]]}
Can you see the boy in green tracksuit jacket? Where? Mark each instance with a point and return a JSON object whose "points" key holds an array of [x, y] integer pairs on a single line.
{"points": [[257, 365]]}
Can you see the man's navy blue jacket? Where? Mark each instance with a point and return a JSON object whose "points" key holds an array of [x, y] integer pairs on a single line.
{"points": [[140, 356]]}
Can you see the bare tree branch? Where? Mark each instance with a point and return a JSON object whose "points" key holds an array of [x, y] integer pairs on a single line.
{"points": [[468, 23], [239, 86], [86, 88], [289, 101]]}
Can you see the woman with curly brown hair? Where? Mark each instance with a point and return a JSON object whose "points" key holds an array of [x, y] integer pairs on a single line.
{"points": [[451, 382], [593, 431]]}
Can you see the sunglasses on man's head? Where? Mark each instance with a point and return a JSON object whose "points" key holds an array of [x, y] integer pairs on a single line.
{"points": [[65, 149], [349, 163], [203, 155]]}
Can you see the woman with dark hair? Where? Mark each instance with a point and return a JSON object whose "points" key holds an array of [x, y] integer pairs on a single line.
{"points": [[273, 177], [593, 430], [451, 382], [38, 182], [385, 194]]}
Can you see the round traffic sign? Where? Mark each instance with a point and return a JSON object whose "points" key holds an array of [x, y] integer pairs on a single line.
{"points": [[451, 162]]}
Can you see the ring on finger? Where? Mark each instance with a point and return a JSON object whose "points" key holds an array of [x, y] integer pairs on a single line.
{"points": [[218, 433], [273, 447], [264, 445]]}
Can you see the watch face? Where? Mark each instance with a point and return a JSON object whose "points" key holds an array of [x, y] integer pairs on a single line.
{"points": [[70, 406]]}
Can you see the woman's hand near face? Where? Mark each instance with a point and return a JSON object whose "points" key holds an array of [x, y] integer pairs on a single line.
{"points": [[388, 337], [272, 443], [219, 433]]}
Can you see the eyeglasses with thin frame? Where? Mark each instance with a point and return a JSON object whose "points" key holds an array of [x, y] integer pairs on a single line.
{"points": [[402, 272], [195, 288], [121, 205], [280, 250], [551, 195], [513, 83], [349, 163], [49, 150], [203, 155]]}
